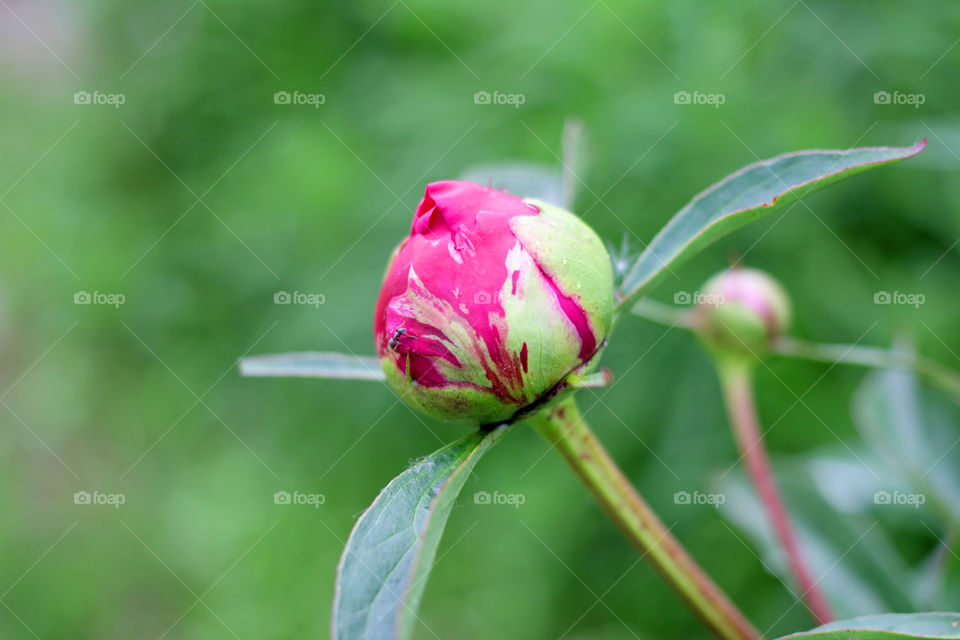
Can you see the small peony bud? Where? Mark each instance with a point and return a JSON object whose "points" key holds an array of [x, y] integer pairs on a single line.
{"points": [[490, 303], [740, 311]]}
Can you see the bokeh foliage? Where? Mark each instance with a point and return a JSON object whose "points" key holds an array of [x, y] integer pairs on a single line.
{"points": [[313, 200]]}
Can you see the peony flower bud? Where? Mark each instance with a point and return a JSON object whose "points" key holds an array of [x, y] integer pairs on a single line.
{"points": [[490, 303], [740, 311]]}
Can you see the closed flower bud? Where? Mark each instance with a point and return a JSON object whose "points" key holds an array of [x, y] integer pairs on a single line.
{"points": [[490, 303], [741, 311]]}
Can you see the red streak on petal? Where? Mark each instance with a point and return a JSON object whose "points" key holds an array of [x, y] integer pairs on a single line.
{"points": [[515, 276], [523, 356], [576, 315]]}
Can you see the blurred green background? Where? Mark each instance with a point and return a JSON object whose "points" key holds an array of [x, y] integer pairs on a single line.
{"points": [[199, 198]]}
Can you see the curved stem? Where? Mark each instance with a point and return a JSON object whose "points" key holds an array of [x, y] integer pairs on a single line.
{"points": [[933, 372], [565, 429], [738, 395]]}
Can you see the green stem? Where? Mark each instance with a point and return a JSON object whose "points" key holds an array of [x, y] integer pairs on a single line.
{"points": [[565, 429], [933, 372], [662, 313], [735, 377]]}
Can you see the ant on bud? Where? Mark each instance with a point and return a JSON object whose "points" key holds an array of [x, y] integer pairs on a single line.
{"points": [[395, 340]]}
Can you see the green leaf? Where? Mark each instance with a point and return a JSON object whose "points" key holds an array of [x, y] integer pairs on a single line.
{"points": [[313, 365], [935, 583], [887, 626], [745, 196], [915, 432], [390, 553]]}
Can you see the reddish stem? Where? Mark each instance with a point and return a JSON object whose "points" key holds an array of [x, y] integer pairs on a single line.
{"points": [[738, 393]]}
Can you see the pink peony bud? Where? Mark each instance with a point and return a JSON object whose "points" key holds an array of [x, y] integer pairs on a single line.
{"points": [[490, 303], [741, 311]]}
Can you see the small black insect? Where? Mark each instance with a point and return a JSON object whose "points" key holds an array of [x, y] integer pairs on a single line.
{"points": [[394, 341]]}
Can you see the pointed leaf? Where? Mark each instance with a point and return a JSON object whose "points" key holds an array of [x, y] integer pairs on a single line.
{"points": [[887, 626], [310, 364], [390, 553], [745, 196]]}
